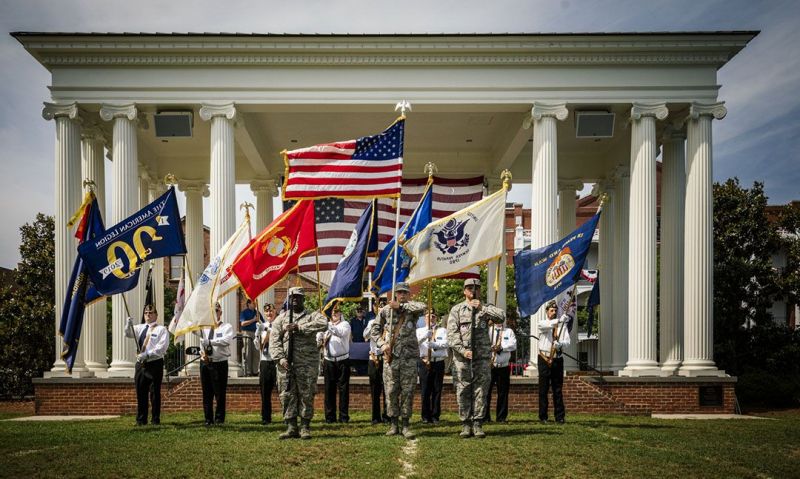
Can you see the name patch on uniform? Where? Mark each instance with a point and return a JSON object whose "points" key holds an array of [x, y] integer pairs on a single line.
{"points": [[219, 335], [410, 325]]}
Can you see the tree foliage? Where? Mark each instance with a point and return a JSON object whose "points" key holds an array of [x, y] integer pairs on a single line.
{"points": [[27, 312]]}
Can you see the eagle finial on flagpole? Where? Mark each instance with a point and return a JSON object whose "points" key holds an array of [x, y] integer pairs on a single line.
{"points": [[170, 179], [430, 169], [87, 183], [247, 206], [506, 177], [403, 105]]}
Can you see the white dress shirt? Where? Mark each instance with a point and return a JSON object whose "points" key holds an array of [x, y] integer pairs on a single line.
{"points": [[436, 340], [508, 343], [220, 339], [338, 347], [158, 340], [263, 330], [546, 335]]}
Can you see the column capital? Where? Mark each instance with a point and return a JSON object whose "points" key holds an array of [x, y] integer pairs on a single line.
{"points": [[194, 186], [210, 110], [570, 184], [109, 112], [157, 188], [620, 172], [92, 132], [556, 110], [657, 110], [674, 132], [144, 174], [716, 110], [269, 186], [605, 186], [56, 110]]}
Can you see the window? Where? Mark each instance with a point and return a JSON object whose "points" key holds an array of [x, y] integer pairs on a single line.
{"points": [[175, 267]]}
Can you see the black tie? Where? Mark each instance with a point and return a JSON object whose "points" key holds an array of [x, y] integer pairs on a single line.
{"points": [[143, 336]]}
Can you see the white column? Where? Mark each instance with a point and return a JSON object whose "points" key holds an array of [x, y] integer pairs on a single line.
{"points": [[68, 198], [264, 191], [619, 348], [492, 266], [673, 183], [698, 283], [93, 337], [195, 244], [642, 241], [567, 209], [125, 201], [606, 267], [544, 198], [223, 199], [141, 290], [157, 188]]}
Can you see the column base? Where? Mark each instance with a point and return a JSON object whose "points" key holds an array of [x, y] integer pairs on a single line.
{"points": [[235, 371], [531, 372], [670, 368], [121, 370], [640, 369], [53, 373], [699, 369]]}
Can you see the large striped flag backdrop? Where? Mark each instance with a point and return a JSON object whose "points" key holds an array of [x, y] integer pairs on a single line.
{"points": [[336, 218], [369, 167]]}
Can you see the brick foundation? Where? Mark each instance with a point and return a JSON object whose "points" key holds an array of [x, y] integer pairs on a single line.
{"points": [[582, 394]]}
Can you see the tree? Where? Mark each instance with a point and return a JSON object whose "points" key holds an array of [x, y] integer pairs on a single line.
{"points": [[27, 311]]}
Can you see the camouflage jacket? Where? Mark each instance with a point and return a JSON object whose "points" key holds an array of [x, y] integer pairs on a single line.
{"points": [[459, 330], [405, 344], [305, 338]]}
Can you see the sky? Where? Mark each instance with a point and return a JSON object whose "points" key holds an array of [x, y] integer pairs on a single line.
{"points": [[757, 141]]}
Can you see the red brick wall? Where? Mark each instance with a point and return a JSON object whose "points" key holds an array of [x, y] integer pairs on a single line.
{"points": [[581, 394]]}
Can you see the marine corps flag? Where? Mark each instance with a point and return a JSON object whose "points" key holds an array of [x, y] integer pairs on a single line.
{"points": [[275, 251], [115, 257], [80, 290], [466, 238], [543, 273]]}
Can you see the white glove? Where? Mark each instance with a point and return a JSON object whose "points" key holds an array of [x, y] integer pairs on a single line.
{"points": [[204, 343], [430, 334], [563, 319], [559, 345], [142, 357], [129, 323]]}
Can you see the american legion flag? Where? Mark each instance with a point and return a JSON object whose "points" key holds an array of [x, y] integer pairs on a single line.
{"points": [[336, 218], [369, 167]]}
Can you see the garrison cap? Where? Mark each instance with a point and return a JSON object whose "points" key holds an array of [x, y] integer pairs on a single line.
{"points": [[402, 286], [472, 282], [296, 291]]}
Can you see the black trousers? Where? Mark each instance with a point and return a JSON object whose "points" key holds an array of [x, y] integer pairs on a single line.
{"points": [[501, 379], [147, 378], [430, 383], [214, 379], [375, 373], [266, 379], [551, 376], [337, 381]]}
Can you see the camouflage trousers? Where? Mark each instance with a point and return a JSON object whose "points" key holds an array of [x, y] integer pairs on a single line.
{"points": [[296, 390], [472, 387], [399, 379]]}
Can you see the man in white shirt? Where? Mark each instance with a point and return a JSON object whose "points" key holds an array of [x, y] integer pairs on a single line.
{"points": [[335, 345], [432, 354], [553, 337], [503, 341], [153, 340], [214, 368], [266, 369]]}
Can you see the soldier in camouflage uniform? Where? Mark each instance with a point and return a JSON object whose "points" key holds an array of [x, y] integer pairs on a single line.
{"points": [[399, 318], [471, 356], [297, 375]]}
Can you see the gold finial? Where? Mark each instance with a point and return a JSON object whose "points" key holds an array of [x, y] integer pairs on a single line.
{"points": [[603, 199], [403, 105], [247, 206], [430, 169], [170, 179], [87, 183], [506, 177]]}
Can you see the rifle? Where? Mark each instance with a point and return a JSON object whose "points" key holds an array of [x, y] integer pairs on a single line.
{"points": [[471, 371], [497, 342], [429, 359], [387, 355], [290, 351]]}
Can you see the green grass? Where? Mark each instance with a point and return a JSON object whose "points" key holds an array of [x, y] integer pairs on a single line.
{"points": [[587, 446]]}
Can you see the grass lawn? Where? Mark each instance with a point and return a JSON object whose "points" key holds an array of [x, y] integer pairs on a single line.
{"points": [[587, 446]]}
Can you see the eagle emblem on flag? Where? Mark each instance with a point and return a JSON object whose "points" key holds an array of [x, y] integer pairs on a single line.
{"points": [[452, 236]]}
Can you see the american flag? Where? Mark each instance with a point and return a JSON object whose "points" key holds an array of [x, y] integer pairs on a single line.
{"points": [[370, 167], [337, 217]]}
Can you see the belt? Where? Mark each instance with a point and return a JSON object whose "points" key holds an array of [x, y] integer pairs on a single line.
{"points": [[434, 360], [149, 360], [267, 360], [338, 359]]}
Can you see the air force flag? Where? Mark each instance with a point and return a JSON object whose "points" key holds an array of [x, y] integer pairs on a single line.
{"points": [[114, 258], [542, 274]]}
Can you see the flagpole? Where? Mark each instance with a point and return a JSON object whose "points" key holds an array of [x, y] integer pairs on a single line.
{"points": [[396, 241], [506, 177], [319, 284]]}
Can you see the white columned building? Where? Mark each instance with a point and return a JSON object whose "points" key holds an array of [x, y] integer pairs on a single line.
{"points": [[698, 331], [68, 197], [567, 208], [289, 91], [642, 348], [265, 191], [157, 188], [125, 200], [93, 336], [223, 198], [544, 201], [673, 185]]}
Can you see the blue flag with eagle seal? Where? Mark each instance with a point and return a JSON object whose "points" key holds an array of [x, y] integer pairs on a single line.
{"points": [[348, 280], [543, 273], [114, 258]]}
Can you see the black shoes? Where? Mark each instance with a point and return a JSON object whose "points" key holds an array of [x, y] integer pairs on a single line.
{"points": [[209, 423]]}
